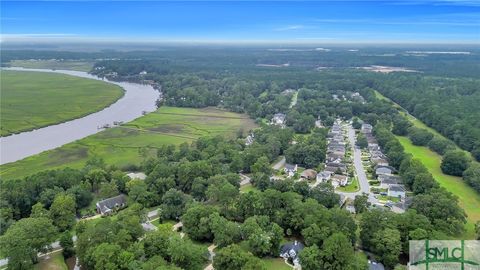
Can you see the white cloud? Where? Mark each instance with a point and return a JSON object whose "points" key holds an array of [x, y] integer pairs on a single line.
{"points": [[290, 27]]}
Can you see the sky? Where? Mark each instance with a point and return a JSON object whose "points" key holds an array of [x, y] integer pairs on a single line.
{"points": [[410, 21]]}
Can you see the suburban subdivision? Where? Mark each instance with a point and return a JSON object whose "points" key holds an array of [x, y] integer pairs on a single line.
{"points": [[284, 153]]}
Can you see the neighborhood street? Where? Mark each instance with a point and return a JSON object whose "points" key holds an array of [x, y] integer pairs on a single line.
{"points": [[360, 172], [280, 164]]}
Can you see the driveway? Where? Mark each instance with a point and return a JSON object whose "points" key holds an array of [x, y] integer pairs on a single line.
{"points": [[280, 164]]}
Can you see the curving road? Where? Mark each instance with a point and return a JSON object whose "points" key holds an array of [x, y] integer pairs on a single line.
{"points": [[138, 98]]}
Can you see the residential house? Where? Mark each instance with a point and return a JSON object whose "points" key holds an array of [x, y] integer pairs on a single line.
{"points": [[323, 176], [278, 119], [336, 169], [249, 139], [341, 180], [397, 191], [387, 180], [340, 165], [110, 205], [379, 161], [382, 169], [375, 265], [366, 128], [308, 174], [290, 251], [334, 157], [290, 169], [138, 175]]}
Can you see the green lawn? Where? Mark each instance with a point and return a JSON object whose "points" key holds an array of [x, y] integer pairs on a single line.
{"points": [[247, 188], [54, 261], [352, 187], [469, 199], [30, 100], [133, 141], [276, 264], [54, 64]]}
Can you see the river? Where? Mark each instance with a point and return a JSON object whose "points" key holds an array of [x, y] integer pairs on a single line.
{"points": [[138, 98]]}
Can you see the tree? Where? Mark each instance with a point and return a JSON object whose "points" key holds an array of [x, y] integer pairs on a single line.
{"points": [[66, 243], [423, 183], [185, 254], [472, 176], [261, 181], [324, 194], [310, 258], [108, 256], [138, 191], [419, 136], [262, 166], [234, 257], [441, 145], [95, 177], [388, 246], [401, 126], [25, 239], [62, 212], [454, 162], [174, 203], [477, 230], [361, 203], [361, 141], [337, 253], [225, 232], [196, 222], [157, 242], [107, 190], [38, 210]]}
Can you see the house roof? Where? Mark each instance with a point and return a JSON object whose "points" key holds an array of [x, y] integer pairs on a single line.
{"points": [[340, 177], [309, 173], [375, 266], [289, 167], [110, 203], [295, 246], [389, 179], [397, 188]]}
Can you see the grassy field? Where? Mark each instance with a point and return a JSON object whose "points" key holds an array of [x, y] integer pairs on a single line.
{"points": [[247, 188], [129, 143], [54, 261], [469, 199], [30, 100], [53, 64]]}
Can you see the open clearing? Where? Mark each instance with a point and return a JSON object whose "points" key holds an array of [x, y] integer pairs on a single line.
{"points": [[131, 142], [54, 261], [30, 100], [54, 64], [469, 199]]}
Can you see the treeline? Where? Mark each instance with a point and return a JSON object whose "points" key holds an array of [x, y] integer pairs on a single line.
{"points": [[450, 106], [437, 204], [454, 162]]}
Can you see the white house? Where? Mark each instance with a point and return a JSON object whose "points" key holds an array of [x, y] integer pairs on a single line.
{"points": [[397, 191], [278, 119], [290, 169]]}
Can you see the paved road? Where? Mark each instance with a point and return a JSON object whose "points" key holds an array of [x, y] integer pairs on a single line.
{"points": [[244, 179], [360, 172]]}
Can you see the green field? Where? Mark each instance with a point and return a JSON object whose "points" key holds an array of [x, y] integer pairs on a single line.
{"points": [[352, 187], [469, 199], [31, 100], [53, 64], [129, 143]]}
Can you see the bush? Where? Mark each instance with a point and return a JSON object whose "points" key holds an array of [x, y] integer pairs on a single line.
{"points": [[455, 163], [419, 136], [472, 176], [440, 145]]}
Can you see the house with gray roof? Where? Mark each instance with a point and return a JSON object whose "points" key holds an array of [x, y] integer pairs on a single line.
{"points": [[111, 205], [397, 191], [290, 169], [290, 251]]}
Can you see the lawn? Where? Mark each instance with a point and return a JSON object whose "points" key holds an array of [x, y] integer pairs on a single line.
{"points": [[133, 141], [54, 64], [469, 199], [276, 264], [247, 188], [30, 100], [54, 261], [352, 187]]}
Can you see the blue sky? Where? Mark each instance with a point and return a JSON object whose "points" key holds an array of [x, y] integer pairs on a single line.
{"points": [[451, 21]]}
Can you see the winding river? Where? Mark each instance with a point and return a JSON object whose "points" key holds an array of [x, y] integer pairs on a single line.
{"points": [[138, 98]]}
